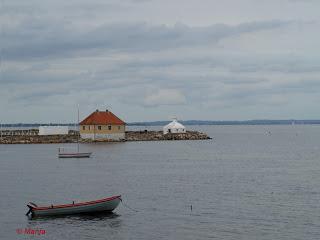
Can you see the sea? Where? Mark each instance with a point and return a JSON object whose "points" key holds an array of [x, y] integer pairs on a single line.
{"points": [[247, 182]]}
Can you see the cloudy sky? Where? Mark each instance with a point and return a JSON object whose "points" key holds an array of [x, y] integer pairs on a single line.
{"points": [[157, 59]]}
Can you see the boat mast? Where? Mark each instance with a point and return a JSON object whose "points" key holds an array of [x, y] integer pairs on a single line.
{"points": [[78, 134]]}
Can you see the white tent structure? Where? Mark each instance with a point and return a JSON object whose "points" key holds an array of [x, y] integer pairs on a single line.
{"points": [[174, 127]]}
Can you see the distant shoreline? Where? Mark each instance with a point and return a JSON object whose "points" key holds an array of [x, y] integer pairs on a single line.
{"points": [[187, 122]]}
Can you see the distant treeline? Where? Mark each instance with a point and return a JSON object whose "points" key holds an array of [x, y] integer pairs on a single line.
{"points": [[246, 122], [188, 122]]}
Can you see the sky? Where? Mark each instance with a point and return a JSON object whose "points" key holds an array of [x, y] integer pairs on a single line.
{"points": [[149, 60]]}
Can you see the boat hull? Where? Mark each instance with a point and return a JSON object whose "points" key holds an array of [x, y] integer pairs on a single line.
{"points": [[74, 155], [103, 205]]}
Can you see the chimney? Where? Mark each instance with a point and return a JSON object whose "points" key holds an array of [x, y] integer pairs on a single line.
{"points": [[107, 110], [97, 110]]}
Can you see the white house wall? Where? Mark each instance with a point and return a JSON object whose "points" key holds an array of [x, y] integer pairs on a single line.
{"points": [[97, 136], [174, 130]]}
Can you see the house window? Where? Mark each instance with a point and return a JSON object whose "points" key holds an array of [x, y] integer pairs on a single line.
{"points": [[99, 127], [89, 127], [119, 127], [109, 127], [83, 127]]}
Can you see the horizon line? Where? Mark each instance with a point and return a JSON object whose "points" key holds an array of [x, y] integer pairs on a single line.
{"points": [[189, 122]]}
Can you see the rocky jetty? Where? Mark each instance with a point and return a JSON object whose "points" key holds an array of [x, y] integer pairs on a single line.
{"points": [[159, 136], [32, 137], [36, 139]]}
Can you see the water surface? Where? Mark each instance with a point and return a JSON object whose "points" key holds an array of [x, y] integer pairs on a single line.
{"points": [[248, 182]]}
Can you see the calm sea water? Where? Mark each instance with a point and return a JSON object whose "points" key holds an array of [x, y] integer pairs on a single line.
{"points": [[248, 182]]}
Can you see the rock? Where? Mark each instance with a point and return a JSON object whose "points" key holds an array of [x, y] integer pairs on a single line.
{"points": [[72, 137]]}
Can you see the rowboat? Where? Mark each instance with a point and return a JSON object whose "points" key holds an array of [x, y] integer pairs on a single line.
{"points": [[101, 205], [75, 155], [63, 154]]}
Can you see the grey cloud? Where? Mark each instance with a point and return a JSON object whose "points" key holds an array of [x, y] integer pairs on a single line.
{"points": [[266, 93], [33, 39], [305, 85], [244, 63], [164, 97], [57, 54], [290, 64]]}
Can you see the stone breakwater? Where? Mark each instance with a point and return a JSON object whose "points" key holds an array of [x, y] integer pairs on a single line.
{"points": [[32, 137], [159, 136]]}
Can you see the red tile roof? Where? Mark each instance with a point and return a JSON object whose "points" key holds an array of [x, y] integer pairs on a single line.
{"points": [[102, 118]]}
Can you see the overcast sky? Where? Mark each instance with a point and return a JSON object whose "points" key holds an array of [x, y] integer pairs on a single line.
{"points": [[157, 59]]}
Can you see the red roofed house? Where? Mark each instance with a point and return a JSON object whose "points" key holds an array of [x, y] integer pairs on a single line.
{"points": [[102, 125]]}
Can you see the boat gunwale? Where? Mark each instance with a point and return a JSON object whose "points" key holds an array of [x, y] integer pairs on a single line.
{"points": [[76, 153], [75, 204]]}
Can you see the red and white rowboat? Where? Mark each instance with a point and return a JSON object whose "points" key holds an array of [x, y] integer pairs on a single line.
{"points": [[101, 205]]}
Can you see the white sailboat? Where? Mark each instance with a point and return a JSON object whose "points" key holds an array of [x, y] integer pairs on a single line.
{"points": [[65, 154]]}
